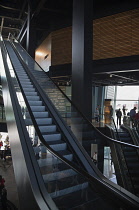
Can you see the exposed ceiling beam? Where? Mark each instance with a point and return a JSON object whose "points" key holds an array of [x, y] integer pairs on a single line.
{"points": [[39, 7], [22, 10], [9, 8], [22, 29], [12, 8], [11, 18], [10, 28], [2, 22], [23, 36]]}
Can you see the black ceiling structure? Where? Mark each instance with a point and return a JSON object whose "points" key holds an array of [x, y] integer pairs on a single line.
{"points": [[49, 15]]}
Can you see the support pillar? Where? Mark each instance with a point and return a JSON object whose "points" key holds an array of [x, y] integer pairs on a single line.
{"points": [[31, 35], [82, 35]]}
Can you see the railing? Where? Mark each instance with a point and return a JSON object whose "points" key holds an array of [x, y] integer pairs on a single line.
{"points": [[53, 156], [74, 115], [80, 126]]}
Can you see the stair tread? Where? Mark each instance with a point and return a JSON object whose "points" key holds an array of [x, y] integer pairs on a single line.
{"points": [[52, 168], [64, 183], [90, 199], [55, 142]]}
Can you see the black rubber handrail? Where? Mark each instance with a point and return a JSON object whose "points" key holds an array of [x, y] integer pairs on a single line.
{"points": [[127, 168], [83, 116], [18, 110], [98, 183], [116, 128]]}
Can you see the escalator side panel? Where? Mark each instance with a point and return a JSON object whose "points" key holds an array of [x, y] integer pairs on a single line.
{"points": [[24, 173]]}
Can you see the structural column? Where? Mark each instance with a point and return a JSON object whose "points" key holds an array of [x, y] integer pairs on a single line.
{"points": [[31, 34], [82, 35]]}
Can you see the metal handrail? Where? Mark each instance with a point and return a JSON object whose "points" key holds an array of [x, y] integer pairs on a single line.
{"points": [[116, 128], [83, 116], [99, 183]]}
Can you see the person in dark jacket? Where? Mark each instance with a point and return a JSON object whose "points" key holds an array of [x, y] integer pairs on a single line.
{"points": [[119, 115], [132, 115]]}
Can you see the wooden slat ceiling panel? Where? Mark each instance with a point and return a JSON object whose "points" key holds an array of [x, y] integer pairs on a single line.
{"points": [[116, 35]]}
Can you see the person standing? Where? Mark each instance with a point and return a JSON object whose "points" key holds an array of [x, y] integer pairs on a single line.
{"points": [[99, 109], [95, 158], [132, 115], [124, 109], [137, 120], [119, 115], [96, 115]]}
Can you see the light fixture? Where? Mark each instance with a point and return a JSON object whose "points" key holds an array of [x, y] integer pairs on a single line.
{"points": [[39, 53]]}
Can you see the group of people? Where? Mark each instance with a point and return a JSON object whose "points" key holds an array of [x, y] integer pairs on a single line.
{"points": [[134, 117]]}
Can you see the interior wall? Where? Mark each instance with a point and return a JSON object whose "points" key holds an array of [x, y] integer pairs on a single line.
{"points": [[62, 46], [114, 36], [43, 54]]}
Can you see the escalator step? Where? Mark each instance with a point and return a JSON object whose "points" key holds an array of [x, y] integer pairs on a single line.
{"points": [[58, 175], [84, 200], [35, 103], [40, 114], [30, 93], [53, 168], [47, 128], [33, 98], [44, 121], [59, 146], [69, 190], [64, 183], [48, 160], [37, 108], [52, 137], [29, 89]]}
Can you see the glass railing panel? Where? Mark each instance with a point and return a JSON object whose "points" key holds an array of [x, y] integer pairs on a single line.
{"points": [[86, 134], [62, 104], [62, 182]]}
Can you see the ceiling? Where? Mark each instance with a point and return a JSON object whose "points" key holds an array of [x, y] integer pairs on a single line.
{"points": [[103, 79], [50, 15]]}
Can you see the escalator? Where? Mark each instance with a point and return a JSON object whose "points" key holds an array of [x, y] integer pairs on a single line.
{"points": [[129, 157], [52, 169]]}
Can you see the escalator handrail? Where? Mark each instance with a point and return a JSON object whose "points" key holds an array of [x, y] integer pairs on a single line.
{"points": [[99, 183], [24, 136], [84, 117], [125, 161], [116, 128], [131, 133]]}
